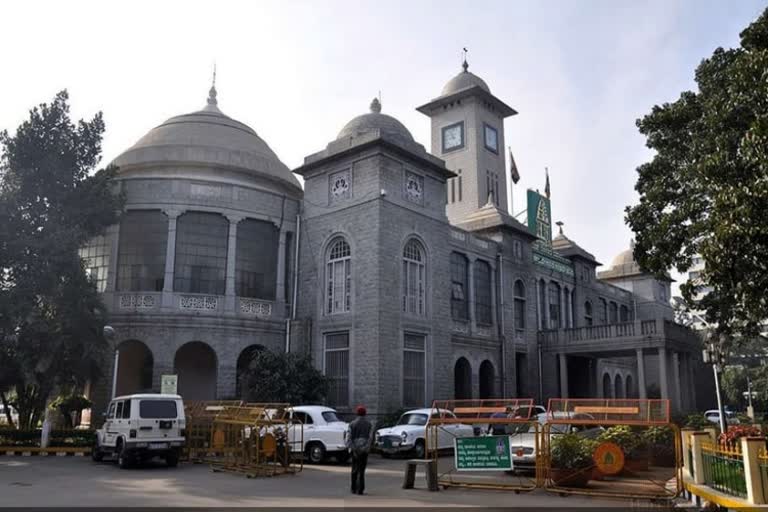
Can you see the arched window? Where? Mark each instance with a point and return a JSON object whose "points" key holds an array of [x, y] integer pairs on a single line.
{"points": [[519, 303], [141, 253], [459, 289], [588, 313], [483, 307], [624, 313], [554, 305], [338, 277], [614, 310], [201, 253], [603, 312], [414, 276]]}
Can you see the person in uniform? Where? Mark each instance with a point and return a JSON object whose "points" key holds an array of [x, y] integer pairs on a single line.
{"points": [[360, 440]]}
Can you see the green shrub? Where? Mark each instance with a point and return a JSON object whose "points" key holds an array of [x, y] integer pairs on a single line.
{"points": [[571, 451], [632, 443], [697, 421], [56, 438]]}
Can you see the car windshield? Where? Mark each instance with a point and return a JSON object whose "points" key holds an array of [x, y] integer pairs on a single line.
{"points": [[330, 416], [413, 419], [153, 409]]}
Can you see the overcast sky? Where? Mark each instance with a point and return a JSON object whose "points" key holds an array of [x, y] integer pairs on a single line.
{"points": [[578, 72]]}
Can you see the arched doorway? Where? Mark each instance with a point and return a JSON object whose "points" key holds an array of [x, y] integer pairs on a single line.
{"points": [[630, 389], [618, 387], [607, 387], [195, 364], [134, 368], [487, 380], [243, 364], [462, 379]]}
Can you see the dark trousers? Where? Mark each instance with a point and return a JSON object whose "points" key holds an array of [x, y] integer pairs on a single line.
{"points": [[359, 462]]}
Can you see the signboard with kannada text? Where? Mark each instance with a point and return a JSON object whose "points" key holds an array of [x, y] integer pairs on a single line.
{"points": [[487, 453], [168, 384]]}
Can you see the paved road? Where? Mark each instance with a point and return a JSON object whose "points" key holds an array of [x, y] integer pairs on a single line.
{"points": [[79, 482]]}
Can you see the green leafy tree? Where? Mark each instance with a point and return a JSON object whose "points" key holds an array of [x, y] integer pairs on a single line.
{"points": [[280, 377], [734, 385], [706, 189], [52, 203]]}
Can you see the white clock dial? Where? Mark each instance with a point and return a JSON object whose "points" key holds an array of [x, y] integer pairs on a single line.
{"points": [[453, 137], [491, 138]]}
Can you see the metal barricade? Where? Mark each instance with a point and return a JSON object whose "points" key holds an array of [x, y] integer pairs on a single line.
{"points": [[623, 448], [201, 441], [495, 444]]}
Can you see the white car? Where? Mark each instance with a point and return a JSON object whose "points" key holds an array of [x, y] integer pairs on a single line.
{"points": [[713, 416], [324, 434], [409, 434], [140, 427]]}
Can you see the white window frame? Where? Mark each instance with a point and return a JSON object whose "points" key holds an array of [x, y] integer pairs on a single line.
{"points": [[346, 349], [414, 278], [405, 383], [338, 278]]}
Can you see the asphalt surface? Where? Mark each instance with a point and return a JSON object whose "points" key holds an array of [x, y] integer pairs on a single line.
{"points": [[80, 482]]}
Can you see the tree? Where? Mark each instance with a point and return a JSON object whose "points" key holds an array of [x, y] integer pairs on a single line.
{"points": [[734, 383], [705, 191], [52, 204], [280, 377]]}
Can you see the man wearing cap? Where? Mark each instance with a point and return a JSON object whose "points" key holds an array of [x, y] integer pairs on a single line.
{"points": [[360, 439]]}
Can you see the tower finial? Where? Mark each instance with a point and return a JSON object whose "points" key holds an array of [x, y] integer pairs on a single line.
{"points": [[546, 185], [464, 64], [212, 91], [376, 106], [560, 225]]}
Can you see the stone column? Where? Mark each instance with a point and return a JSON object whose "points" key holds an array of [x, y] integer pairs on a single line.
{"points": [[280, 278], [471, 275], [691, 380], [751, 447], [641, 389], [563, 375], [539, 310], [229, 290], [113, 239], [677, 383], [170, 257], [664, 381]]}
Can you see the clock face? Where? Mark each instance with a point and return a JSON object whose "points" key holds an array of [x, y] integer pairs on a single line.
{"points": [[414, 187], [453, 136], [340, 185], [491, 139]]}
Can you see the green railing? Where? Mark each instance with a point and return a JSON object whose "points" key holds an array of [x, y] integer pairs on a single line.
{"points": [[724, 469]]}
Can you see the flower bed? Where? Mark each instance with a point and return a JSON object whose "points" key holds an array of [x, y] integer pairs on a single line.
{"points": [[56, 439]]}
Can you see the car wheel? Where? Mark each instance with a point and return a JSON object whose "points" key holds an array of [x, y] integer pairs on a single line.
{"points": [[96, 454], [419, 450], [123, 457], [172, 460], [315, 453]]}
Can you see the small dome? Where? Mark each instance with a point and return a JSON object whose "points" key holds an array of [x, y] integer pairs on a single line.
{"points": [[625, 257], [464, 80], [207, 137], [375, 121]]}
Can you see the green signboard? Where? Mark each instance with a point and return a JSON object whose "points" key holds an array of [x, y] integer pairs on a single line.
{"points": [[540, 216], [487, 453]]}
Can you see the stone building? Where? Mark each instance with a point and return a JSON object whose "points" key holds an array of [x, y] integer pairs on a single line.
{"points": [[399, 269]]}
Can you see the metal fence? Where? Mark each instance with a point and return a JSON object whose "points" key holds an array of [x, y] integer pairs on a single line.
{"points": [[724, 469], [762, 460]]}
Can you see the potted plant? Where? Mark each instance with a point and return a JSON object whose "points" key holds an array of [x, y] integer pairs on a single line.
{"points": [[571, 460], [661, 442], [633, 445]]}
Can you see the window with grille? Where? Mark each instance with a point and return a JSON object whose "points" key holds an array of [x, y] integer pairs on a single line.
{"points": [[519, 305], [614, 313], [256, 259], [624, 313], [95, 256], [141, 251], [338, 277], [567, 318], [588, 313], [603, 318], [414, 278], [336, 368], [554, 305], [201, 253], [414, 370], [483, 303], [459, 290], [542, 304]]}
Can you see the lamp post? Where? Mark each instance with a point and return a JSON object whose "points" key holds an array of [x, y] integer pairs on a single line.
{"points": [[750, 395], [714, 355], [109, 335]]}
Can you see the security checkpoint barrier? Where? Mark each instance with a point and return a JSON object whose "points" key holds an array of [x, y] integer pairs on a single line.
{"points": [[624, 448], [200, 443], [503, 432]]}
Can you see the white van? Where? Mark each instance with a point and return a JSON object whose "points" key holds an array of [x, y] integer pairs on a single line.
{"points": [[140, 427]]}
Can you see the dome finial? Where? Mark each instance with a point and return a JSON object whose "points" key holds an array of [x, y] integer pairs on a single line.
{"points": [[212, 91], [464, 64], [560, 225], [376, 106]]}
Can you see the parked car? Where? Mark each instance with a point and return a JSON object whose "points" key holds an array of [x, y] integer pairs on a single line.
{"points": [[409, 434], [140, 427], [324, 433], [523, 444], [713, 416], [499, 429]]}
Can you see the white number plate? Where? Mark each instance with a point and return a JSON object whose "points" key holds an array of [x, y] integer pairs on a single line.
{"points": [[158, 446]]}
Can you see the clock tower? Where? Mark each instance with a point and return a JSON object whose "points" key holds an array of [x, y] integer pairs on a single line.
{"points": [[468, 133]]}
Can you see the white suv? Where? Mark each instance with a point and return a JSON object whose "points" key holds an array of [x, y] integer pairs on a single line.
{"points": [[324, 433], [140, 427]]}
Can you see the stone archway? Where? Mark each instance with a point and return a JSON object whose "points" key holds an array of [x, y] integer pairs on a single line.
{"points": [[134, 368], [243, 364], [462, 379], [607, 386], [196, 365], [618, 387], [487, 380]]}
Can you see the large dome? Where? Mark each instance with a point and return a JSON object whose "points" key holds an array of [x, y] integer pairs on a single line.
{"points": [[209, 138], [373, 122], [464, 80]]}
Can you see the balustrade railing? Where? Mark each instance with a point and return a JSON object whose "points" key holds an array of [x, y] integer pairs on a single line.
{"points": [[723, 468]]}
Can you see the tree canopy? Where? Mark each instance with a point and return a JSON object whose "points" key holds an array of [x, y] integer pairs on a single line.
{"points": [[280, 377], [705, 192], [52, 203]]}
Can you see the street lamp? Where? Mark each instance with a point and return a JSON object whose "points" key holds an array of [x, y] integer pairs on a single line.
{"points": [[750, 395], [109, 334], [714, 355]]}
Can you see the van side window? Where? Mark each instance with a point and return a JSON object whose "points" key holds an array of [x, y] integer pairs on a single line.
{"points": [[119, 411], [127, 410], [111, 411]]}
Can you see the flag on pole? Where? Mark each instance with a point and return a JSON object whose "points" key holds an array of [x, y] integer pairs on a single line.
{"points": [[513, 167], [546, 186]]}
